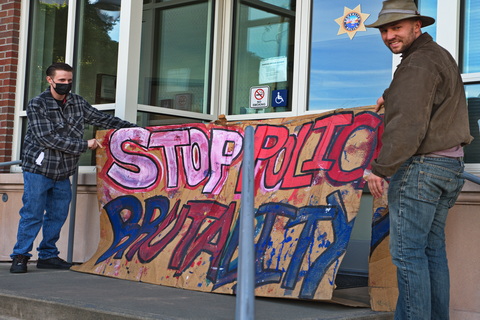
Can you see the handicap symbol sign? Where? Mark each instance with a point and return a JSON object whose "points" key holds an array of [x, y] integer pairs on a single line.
{"points": [[279, 98]]}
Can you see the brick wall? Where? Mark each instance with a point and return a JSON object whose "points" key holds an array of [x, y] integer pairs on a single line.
{"points": [[9, 38]]}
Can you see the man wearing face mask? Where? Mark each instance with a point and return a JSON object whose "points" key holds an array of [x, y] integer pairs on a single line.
{"points": [[52, 147]]}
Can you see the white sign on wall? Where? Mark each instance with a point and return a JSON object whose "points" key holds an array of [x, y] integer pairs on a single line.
{"points": [[259, 97], [273, 70]]}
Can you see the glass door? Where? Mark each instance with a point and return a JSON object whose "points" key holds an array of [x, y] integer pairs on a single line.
{"points": [[262, 65]]}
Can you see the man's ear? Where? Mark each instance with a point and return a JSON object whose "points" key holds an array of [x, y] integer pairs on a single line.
{"points": [[418, 25]]}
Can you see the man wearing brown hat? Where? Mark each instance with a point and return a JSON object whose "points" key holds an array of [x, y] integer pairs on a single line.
{"points": [[426, 127]]}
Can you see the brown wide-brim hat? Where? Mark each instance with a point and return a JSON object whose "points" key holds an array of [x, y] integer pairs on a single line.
{"points": [[396, 10]]}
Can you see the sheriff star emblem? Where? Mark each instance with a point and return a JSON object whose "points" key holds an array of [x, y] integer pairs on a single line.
{"points": [[352, 21]]}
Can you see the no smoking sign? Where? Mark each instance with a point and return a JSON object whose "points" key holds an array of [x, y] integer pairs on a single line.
{"points": [[259, 97]]}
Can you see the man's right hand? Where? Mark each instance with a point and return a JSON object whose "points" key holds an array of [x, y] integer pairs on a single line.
{"points": [[380, 103], [94, 144]]}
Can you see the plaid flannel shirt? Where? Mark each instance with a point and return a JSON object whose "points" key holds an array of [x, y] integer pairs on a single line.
{"points": [[54, 139]]}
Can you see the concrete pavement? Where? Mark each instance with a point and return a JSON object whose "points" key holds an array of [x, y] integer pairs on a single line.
{"points": [[64, 294]]}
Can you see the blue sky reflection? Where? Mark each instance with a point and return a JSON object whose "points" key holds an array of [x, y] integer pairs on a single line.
{"points": [[346, 73]]}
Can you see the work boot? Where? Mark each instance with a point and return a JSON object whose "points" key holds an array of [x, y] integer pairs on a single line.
{"points": [[53, 263], [19, 264]]}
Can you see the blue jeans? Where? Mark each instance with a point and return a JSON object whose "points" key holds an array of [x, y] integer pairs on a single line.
{"points": [[45, 205], [420, 194]]}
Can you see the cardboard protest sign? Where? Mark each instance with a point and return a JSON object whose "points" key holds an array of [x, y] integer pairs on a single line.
{"points": [[170, 198]]}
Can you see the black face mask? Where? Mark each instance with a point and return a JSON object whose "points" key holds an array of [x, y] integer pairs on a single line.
{"points": [[62, 88]]}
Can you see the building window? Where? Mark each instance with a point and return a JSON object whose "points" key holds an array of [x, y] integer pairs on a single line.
{"points": [[346, 71], [46, 43], [175, 68], [96, 51], [149, 119], [470, 66], [262, 55], [429, 8], [470, 59], [472, 151]]}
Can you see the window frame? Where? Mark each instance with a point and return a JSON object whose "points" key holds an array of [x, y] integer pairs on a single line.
{"points": [[449, 36], [212, 114], [298, 94], [20, 112]]}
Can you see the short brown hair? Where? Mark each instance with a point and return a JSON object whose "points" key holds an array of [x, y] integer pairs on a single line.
{"points": [[58, 66]]}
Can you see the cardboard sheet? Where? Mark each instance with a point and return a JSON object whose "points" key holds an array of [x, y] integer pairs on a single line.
{"points": [[170, 198], [382, 273]]}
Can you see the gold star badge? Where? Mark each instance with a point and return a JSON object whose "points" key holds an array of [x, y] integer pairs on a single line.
{"points": [[352, 21]]}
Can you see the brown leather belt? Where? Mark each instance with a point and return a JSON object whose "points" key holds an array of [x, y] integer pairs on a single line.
{"points": [[432, 155]]}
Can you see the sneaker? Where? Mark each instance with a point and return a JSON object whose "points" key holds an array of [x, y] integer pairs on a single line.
{"points": [[19, 264], [53, 263]]}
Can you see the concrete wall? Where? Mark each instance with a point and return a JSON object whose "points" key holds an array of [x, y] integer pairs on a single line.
{"points": [[87, 218], [463, 251]]}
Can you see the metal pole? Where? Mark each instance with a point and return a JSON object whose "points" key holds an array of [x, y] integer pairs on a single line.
{"points": [[471, 177], [10, 163], [245, 300], [73, 209]]}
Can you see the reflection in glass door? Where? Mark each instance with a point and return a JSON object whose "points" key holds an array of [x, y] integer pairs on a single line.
{"points": [[349, 67], [472, 151], [470, 62], [429, 8], [176, 55], [470, 66], [97, 50], [46, 43]]}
